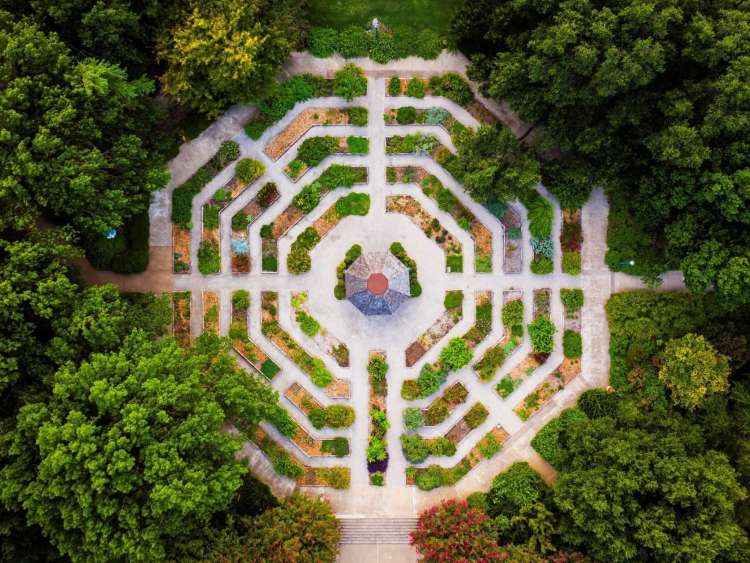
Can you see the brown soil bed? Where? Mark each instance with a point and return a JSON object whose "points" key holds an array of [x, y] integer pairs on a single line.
{"points": [[300, 398], [410, 207], [181, 320], [409, 174], [181, 248], [211, 320], [513, 249], [459, 431], [306, 120], [480, 112]]}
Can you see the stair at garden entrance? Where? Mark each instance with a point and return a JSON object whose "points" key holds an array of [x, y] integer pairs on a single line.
{"points": [[357, 530]]}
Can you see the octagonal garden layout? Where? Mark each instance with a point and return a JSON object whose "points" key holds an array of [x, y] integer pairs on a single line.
{"points": [[415, 337]]}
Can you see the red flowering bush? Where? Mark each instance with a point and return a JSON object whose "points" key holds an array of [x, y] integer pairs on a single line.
{"points": [[455, 532]]}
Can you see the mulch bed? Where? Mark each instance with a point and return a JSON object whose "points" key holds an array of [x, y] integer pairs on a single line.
{"points": [[306, 120]]}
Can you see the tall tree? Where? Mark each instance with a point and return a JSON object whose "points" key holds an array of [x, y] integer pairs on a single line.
{"points": [[228, 51], [72, 145], [649, 99], [128, 458]]}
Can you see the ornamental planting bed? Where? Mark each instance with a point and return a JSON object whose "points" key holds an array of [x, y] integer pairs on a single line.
{"points": [[246, 348], [494, 357], [435, 476], [322, 337], [181, 250], [342, 145], [309, 118], [181, 317], [442, 407], [335, 176], [313, 367], [240, 244], [542, 394], [211, 308], [512, 242], [571, 241], [377, 369], [442, 326], [474, 418], [437, 116], [482, 320], [430, 226]]}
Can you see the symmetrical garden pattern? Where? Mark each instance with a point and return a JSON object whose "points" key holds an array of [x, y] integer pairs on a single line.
{"points": [[409, 330]]}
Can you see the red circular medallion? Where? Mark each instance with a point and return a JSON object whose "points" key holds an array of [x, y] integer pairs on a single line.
{"points": [[377, 284]]}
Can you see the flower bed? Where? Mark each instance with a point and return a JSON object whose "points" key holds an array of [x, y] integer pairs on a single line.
{"points": [[182, 202], [334, 477], [314, 447], [354, 252], [298, 259], [181, 317], [482, 320], [430, 226], [474, 418], [450, 85], [246, 348], [314, 150], [309, 118], [324, 339], [436, 116], [418, 144], [434, 476], [442, 326], [512, 318], [537, 357], [398, 250], [306, 200], [540, 215], [313, 367], [209, 258], [377, 448], [566, 372], [405, 174], [512, 241], [211, 307], [240, 244], [571, 241], [442, 407]]}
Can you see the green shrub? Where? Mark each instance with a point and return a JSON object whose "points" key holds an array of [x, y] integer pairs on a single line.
{"points": [[572, 299], [429, 380], [429, 44], [323, 41], [350, 82], [317, 418], [127, 253], [339, 416], [410, 390], [430, 478], [436, 116], [314, 149], [255, 129], [282, 462], [341, 176], [377, 368], [240, 221], [455, 264], [477, 501], [515, 489], [571, 262], [415, 448], [307, 324], [211, 216], [506, 386], [358, 145], [543, 246], [358, 116], [493, 358], [406, 115], [513, 313], [456, 354], [413, 418], [335, 477], [415, 89], [308, 198], [336, 446], [572, 345], [248, 170], [377, 479], [228, 152], [240, 300], [394, 86], [307, 239], [489, 446], [377, 450], [209, 258], [269, 369], [540, 215], [298, 261], [354, 41], [320, 375], [597, 403], [382, 47], [541, 332], [436, 413], [285, 95], [547, 440], [441, 446], [453, 299], [541, 265], [453, 87], [182, 197], [295, 168], [355, 203], [476, 415]]}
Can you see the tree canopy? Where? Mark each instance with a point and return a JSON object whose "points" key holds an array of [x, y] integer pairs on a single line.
{"points": [[649, 99]]}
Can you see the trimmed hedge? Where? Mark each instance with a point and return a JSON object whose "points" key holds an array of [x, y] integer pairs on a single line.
{"points": [[547, 443]]}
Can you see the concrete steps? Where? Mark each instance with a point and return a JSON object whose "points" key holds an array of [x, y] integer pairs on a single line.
{"points": [[393, 531]]}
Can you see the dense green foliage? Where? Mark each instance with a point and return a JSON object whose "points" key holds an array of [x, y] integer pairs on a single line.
{"points": [[350, 82], [648, 99]]}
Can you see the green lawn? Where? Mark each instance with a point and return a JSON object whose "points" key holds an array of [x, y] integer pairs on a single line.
{"points": [[338, 14]]}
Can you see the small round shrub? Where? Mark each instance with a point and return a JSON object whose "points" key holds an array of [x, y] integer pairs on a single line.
{"points": [[377, 479], [241, 300], [350, 82], [572, 345], [339, 416], [517, 487], [266, 231], [415, 448], [354, 41], [406, 115], [394, 86], [307, 324], [572, 299], [541, 332], [358, 116], [541, 265], [377, 368], [314, 149], [308, 198], [571, 262], [513, 313], [248, 170], [453, 299], [430, 478], [228, 151], [317, 418], [415, 89], [320, 375], [413, 419], [323, 41], [456, 354], [298, 261]]}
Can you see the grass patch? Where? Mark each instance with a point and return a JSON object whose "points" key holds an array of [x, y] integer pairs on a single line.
{"points": [[339, 14]]}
